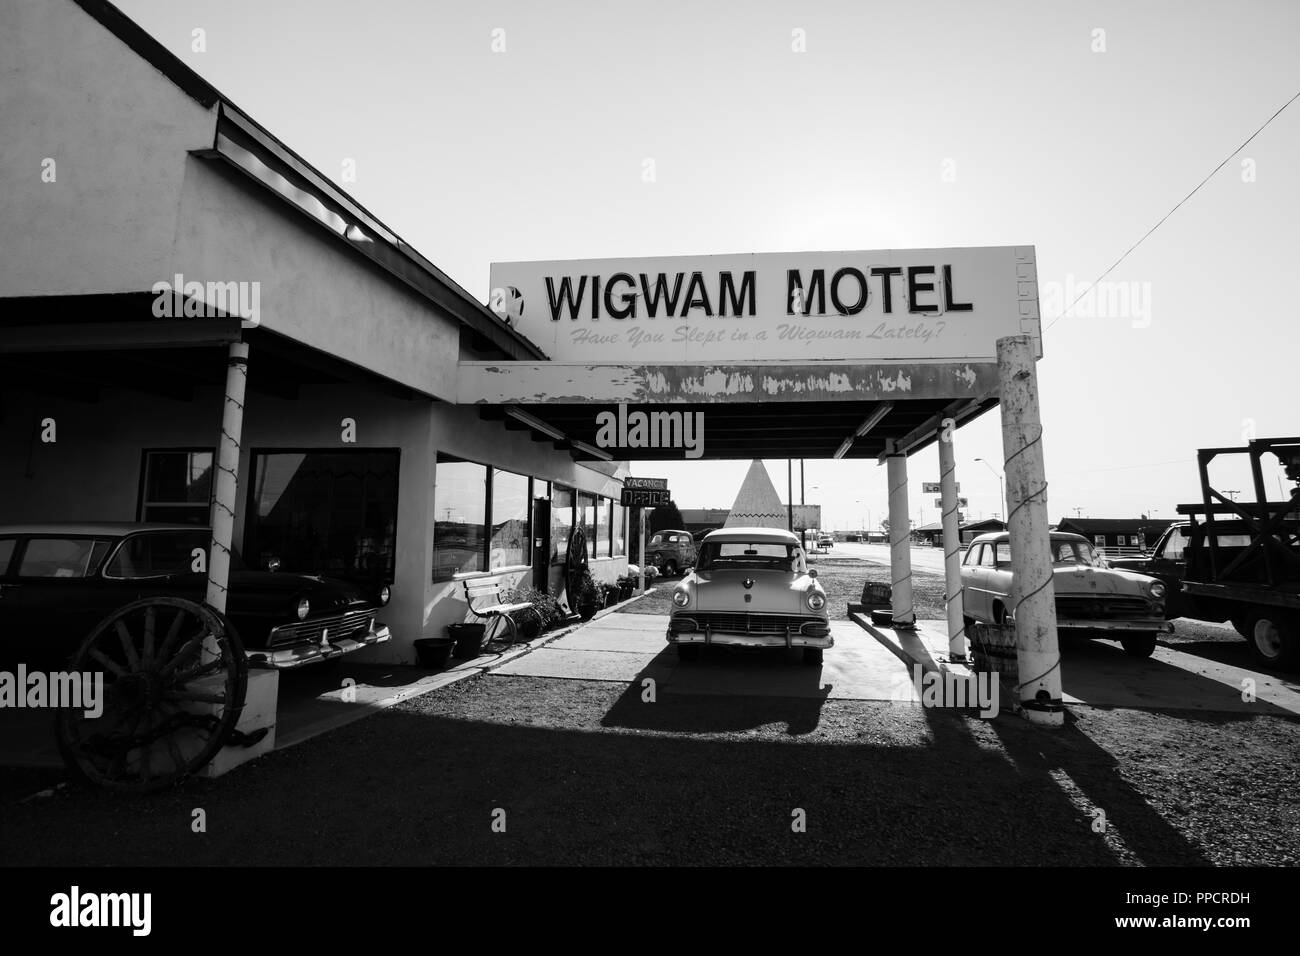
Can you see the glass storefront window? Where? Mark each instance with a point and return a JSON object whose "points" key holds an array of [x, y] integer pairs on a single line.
{"points": [[620, 529], [561, 522], [509, 547], [587, 504], [325, 512], [460, 519], [603, 506]]}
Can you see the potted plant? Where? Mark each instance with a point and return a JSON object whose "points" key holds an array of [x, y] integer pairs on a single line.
{"points": [[543, 616], [612, 594], [589, 598], [468, 639]]}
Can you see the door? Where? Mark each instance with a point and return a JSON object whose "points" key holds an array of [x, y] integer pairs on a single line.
{"points": [[541, 542], [974, 595]]}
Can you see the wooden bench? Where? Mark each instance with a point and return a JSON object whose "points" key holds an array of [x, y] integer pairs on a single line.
{"points": [[483, 595]]}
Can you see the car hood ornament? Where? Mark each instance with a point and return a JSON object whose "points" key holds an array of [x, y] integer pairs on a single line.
{"points": [[749, 583]]}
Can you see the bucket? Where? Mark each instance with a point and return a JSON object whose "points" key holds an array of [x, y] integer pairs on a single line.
{"points": [[468, 638], [434, 652]]}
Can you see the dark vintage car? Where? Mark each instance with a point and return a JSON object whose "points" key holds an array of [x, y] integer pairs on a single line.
{"points": [[57, 581]]}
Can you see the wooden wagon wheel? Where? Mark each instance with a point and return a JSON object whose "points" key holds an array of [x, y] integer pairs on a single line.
{"points": [[575, 564], [174, 676]]}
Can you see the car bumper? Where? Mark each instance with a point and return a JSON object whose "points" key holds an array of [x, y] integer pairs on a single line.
{"points": [[286, 658], [682, 631], [1131, 627]]}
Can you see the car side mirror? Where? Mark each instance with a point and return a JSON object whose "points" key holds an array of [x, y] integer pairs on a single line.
{"points": [[273, 563]]}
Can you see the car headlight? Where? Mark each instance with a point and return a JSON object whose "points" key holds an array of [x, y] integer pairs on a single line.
{"points": [[681, 598], [816, 600], [304, 608], [1156, 589], [384, 594]]}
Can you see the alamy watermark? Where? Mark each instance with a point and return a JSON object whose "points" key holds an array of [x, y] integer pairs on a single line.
{"points": [[193, 300], [1101, 300], [624, 429], [74, 690]]}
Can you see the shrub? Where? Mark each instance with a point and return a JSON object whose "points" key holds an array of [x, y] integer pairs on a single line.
{"points": [[545, 605]]}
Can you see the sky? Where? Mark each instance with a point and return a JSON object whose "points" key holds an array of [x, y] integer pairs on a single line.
{"points": [[1070, 126]]}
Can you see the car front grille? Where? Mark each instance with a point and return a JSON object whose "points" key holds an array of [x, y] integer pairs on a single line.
{"points": [[353, 624], [1102, 608], [743, 623]]}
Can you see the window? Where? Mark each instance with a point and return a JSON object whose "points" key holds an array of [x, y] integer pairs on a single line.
{"points": [[6, 552], [620, 530], [61, 557], [1099, 540], [1175, 544], [176, 486], [157, 554], [1066, 551], [588, 505], [973, 555], [561, 522], [739, 554], [324, 512], [604, 509], [986, 556], [1001, 553], [460, 517], [509, 517]]}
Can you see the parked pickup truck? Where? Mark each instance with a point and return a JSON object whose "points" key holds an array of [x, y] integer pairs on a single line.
{"points": [[1237, 561]]}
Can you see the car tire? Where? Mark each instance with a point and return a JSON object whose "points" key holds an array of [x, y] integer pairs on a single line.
{"points": [[1139, 645], [688, 652], [670, 568], [813, 655], [1274, 640]]}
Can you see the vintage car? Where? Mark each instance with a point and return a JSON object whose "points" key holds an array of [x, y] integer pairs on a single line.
{"points": [[1091, 600], [671, 551], [57, 581], [751, 587]]}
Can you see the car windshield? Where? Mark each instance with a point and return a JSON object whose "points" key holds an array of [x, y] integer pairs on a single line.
{"points": [[1073, 552], [719, 555]]}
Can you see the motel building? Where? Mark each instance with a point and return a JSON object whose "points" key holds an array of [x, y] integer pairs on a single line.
{"points": [[200, 327]]}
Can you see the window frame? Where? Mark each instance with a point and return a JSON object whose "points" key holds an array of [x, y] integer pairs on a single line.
{"points": [[488, 487], [141, 503]]}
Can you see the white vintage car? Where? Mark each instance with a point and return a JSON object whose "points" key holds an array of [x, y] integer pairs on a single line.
{"points": [[1091, 600], [750, 587]]}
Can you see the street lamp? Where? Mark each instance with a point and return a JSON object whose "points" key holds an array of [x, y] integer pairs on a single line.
{"points": [[1002, 495]]}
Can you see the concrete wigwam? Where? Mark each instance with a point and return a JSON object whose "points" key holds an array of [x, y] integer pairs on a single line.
{"points": [[757, 505]]}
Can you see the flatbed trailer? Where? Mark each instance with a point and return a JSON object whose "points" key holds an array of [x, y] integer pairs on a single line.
{"points": [[1242, 558]]}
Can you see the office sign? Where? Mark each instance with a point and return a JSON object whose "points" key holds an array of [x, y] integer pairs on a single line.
{"points": [[908, 305], [645, 498], [934, 488]]}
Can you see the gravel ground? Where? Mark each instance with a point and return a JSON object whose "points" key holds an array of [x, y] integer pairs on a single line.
{"points": [[587, 773]]}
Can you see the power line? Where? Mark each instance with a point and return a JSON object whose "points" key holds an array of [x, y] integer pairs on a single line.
{"points": [[1096, 281]]}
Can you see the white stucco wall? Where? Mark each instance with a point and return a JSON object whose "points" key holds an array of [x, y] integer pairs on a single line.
{"points": [[117, 130]]}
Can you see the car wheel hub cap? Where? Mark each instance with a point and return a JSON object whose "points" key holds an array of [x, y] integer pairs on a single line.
{"points": [[1267, 639]]}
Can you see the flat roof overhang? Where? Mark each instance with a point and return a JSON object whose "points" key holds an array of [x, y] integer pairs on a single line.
{"points": [[823, 410], [75, 347]]}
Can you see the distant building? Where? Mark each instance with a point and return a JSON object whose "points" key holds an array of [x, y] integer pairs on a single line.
{"points": [[1114, 533], [933, 533]]}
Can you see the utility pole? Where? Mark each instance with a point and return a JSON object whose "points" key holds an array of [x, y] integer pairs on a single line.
{"points": [[789, 494]]}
